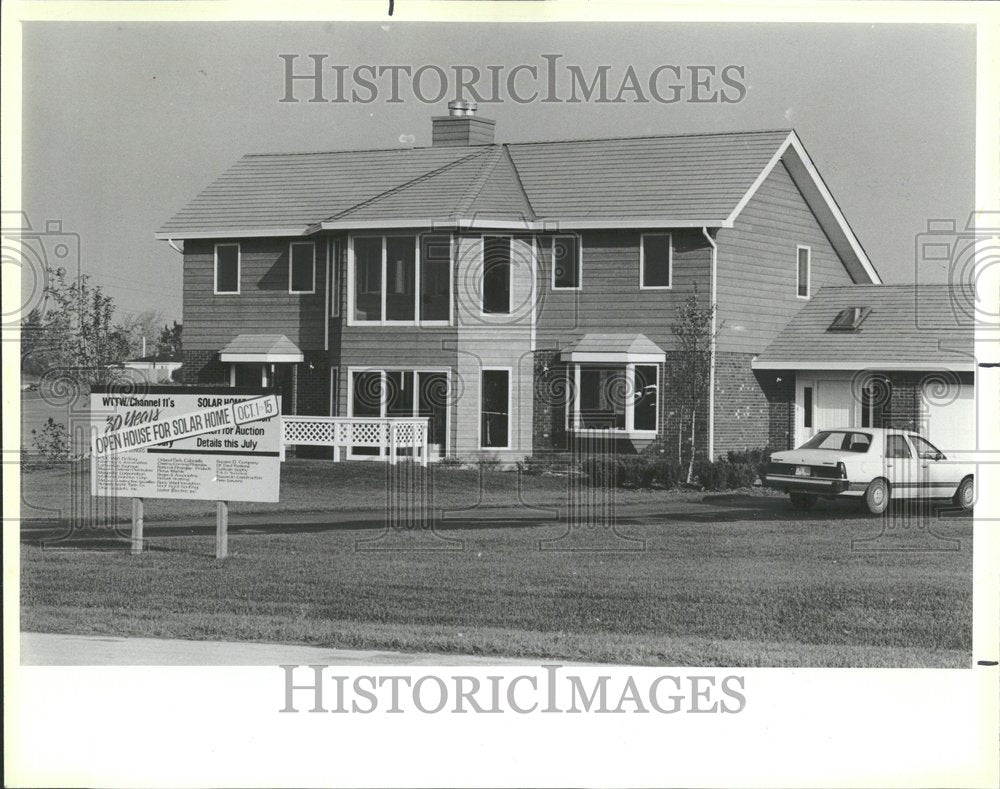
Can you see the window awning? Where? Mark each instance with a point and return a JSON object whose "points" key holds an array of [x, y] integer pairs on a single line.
{"points": [[615, 349], [261, 348]]}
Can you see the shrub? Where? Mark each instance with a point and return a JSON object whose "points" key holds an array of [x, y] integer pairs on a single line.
{"points": [[601, 471], [758, 458], [52, 443], [546, 464], [668, 473], [638, 471]]}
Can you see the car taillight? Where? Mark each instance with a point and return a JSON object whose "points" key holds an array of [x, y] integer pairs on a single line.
{"points": [[842, 471]]}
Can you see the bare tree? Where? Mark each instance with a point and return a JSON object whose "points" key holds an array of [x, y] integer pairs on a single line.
{"points": [[696, 333]]}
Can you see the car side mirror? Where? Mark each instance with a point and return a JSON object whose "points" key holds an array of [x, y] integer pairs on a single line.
{"points": [[940, 456]]}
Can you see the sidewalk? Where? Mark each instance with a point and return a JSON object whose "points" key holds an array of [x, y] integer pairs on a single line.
{"points": [[56, 649]]}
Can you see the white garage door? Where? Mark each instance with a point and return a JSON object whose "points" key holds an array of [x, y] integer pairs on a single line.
{"points": [[951, 421]]}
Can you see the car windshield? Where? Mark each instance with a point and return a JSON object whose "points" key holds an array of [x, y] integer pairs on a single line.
{"points": [[839, 440]]}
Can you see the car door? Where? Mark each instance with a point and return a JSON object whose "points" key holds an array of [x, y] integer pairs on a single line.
{"points": [[901, 468], [938, 477]]}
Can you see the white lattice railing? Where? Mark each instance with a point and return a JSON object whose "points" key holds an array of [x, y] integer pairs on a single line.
{"points": [[389, 434]]}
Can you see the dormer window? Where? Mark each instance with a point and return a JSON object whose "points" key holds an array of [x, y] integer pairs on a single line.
{"points": [[849, 319]]}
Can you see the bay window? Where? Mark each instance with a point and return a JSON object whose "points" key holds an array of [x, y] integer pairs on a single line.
{"points": [[399, 279], [619, 397]]}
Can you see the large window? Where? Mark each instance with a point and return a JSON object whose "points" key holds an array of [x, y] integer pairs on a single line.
{"points": [[435, 278], [400, 279], [227, 268], [302, 267], [655, 261], [804, 255], [496, 275], [564, 254], [494, 409], [402, 393], [622, 397]]}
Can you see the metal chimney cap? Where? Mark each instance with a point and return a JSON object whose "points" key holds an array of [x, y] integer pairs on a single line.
{"points": [[460, 108]]}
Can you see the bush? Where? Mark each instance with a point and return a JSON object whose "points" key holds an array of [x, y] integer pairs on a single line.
{"points": [[638, 471], [724, 475], [547, 464], [52, 443], [758, 458]]}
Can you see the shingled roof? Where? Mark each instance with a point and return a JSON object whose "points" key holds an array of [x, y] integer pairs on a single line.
{"points": [[909, 327], [686, 180]]}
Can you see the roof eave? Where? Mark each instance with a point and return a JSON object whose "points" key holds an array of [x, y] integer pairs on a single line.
{"points": [[820, 200], [543, 224], [231, 232], [816, 364]]}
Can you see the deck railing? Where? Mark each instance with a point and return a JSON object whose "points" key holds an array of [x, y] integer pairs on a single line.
{"points": [[388, 434]]}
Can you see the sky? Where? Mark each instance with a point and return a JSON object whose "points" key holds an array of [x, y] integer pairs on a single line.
{"points": [[123, 123]]}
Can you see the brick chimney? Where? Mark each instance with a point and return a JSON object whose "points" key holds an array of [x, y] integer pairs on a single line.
{"points": [[461, 126]]}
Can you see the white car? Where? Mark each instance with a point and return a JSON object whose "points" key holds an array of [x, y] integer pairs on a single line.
{"points": [[875, 464]]}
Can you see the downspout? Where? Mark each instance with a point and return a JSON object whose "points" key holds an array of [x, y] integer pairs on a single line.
{"points": [[326, 298], [174, 247], [711, 368]]}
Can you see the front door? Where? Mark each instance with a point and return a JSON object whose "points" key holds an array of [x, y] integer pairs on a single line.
{"points": [[822, 404]]}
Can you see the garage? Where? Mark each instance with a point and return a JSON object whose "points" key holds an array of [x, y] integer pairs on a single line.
{"points": [[895, 356]]}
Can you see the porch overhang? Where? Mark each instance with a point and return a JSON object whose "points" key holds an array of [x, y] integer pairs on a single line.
{"points": [[262, 348], [597, 348]]}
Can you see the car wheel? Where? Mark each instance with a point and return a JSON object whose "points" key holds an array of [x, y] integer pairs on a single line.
{"points": [[803, 501], [966, 494], [877, 497]]}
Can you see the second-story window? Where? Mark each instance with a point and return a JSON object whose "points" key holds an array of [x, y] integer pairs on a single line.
{"points": [[496, 275], [400, 279], [227, 268], [565, 251], [302, 267], [804, 264], [655, 261]]}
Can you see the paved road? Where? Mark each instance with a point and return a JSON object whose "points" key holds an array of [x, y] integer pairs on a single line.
{"points": [[53, 649]]}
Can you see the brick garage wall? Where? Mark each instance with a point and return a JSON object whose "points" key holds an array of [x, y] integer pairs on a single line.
{"points": [[752, 409], [781, 407], [203, 367]]}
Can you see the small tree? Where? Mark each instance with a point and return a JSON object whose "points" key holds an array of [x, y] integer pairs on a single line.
{"points": [[169, 342], [695, 341], [74, 331]]}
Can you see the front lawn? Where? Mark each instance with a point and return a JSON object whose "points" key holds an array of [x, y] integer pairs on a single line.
{"points": [[316, 486], [706, 590]]}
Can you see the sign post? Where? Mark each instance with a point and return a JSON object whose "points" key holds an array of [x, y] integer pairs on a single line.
{"points": [[221, 530], [218, 444], [136, 525]]}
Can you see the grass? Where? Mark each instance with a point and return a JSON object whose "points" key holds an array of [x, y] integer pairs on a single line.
{"points": [[726, 589], [314, 486]]}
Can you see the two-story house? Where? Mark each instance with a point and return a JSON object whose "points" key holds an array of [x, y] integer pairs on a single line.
{"points": [[522, 296]]}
